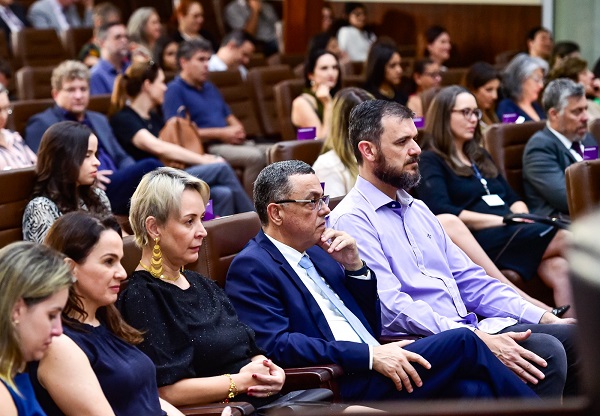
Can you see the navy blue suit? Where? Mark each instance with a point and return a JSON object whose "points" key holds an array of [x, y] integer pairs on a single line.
{"points": [[270, 297], [129, 172]]}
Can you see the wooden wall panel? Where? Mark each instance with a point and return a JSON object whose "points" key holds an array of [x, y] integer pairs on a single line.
{"points": [[478, 32]]}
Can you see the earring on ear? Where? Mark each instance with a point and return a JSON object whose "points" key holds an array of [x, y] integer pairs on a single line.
{"points": [[15, 322], [312, 83], [156, 267]]}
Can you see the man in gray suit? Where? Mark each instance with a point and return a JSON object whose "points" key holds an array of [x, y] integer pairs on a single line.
{"points": [[551, 150], [59, 14]]}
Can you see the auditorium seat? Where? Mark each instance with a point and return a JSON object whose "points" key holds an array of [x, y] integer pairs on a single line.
{"points": [[285, 92], [236, 95], [74, 38], [261, 82], [353, 81], [454, 76], [100, 103], [305, 150], [583, 187], [257, 60], [506, 143], [38, 47], [290, 59], [33, 82], [17, 187], [23, 110]]}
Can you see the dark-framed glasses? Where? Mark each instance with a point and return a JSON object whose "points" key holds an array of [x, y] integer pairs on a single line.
{"points": [[468, 113], [313, 204]]}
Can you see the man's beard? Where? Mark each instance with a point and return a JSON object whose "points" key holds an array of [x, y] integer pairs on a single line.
{"points": [[392, 176]]}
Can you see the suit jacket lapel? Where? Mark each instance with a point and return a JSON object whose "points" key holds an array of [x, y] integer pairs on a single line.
{"points": [[567, 156], [287, 272]]}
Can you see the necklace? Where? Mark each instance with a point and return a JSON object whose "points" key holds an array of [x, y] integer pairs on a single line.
{"points": [[162, 276]]}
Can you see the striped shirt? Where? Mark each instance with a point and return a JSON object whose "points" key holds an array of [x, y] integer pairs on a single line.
{"points": [[14, 153]]}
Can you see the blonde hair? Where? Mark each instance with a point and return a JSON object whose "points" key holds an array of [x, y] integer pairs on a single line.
{"points": [[158, 195], [337, 139], [31, 272], [68, 71]]}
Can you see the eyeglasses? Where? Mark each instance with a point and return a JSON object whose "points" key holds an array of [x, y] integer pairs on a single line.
{"points": [[317, 203], [433, 74], [468, 112], [537, 79]]}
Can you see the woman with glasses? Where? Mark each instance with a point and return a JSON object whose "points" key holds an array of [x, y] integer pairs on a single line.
{"points": [[460, 178], [426, 74], [14, 153], [136, 124], [522, 83]]}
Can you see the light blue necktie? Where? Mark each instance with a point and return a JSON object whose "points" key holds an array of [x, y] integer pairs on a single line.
{"points": [[354, 322]]}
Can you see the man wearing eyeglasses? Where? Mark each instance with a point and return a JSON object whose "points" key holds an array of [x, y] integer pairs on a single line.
{"points": [[426, 284], [311, 300]]}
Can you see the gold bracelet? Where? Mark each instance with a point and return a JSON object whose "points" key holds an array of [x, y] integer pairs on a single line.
{"points": [[233, 391]]}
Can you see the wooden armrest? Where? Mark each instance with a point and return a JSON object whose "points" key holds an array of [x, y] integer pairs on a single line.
{"points": [[237, 409], [300, 378], [386, 339]]}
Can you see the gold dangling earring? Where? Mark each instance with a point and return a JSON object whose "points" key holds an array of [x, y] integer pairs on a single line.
{"points": [[156, 267]]}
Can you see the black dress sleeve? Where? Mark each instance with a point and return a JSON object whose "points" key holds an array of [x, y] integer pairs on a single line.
{"points": [[433, 189]]}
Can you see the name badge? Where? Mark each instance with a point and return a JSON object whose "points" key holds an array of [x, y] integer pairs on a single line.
{"points": [[493, 200]]}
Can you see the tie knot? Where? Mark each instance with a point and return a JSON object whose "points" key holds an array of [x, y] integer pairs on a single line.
{"points": [[577, 147], [305, 262]]}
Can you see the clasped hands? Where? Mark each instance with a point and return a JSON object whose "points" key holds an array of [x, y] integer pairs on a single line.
{"points": [[261, 377]]}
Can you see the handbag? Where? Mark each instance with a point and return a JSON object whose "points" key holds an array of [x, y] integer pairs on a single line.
{"points": [[560, 223], [295, 401], [183, 132]]}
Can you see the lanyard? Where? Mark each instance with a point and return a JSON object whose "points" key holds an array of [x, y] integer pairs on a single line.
{"points": [[481, 178]]}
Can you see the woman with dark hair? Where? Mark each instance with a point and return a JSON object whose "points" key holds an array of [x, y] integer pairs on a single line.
{"points": [[321, 81], [460, 178], [483, 80], [384, 72], [66, 173], [438, 45], [136, 124], [165, 53], [522, 83], [96, 353], [426, 74], [355, 39], [34, 283]]}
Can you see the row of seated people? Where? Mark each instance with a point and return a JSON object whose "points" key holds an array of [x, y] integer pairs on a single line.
{"points": [[441, 367]]}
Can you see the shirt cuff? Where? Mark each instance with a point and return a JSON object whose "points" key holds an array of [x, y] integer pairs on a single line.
{"points": [[532, 314], [370, 357]]}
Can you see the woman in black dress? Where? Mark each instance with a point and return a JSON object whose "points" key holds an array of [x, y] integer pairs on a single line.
{"points": [[460, 178], [201, 350]]}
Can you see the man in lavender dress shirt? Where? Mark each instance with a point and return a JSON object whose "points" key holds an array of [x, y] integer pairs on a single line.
{"points": [[426, 284]]}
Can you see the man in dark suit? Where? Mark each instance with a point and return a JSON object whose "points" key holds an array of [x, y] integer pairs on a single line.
{"points": [[311, 300], [552, 150], [12, 18], [119, 174]]}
